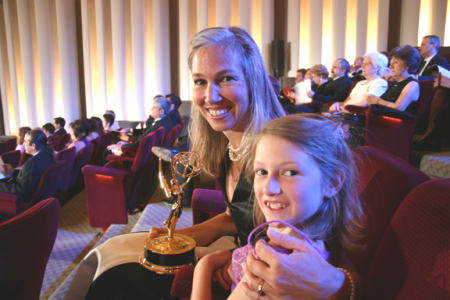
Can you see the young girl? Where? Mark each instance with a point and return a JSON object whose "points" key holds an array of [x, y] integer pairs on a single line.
{"points": [[304, 175]]}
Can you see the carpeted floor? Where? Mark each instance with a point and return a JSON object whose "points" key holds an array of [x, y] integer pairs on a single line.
{"points": [[76, 238]]}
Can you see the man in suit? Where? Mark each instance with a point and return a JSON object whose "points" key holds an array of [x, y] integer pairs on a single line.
{"points": [[439, 109], [35, 144], [429, 51], [334, 90], [59, 124]]}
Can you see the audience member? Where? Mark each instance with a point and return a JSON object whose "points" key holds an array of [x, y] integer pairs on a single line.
{"points": [[404, 93], [115, 125], [429, 49], [98, 125], [326, 221], [21, 137], [334, 90], [59, 124], [93, 134], [357, 66], [35, 144], [79, 130], [48, 129], [174, 114], [372, 69], [108, 121]]}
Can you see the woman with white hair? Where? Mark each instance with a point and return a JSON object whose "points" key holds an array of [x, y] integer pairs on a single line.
{"points": [[373, 68]]}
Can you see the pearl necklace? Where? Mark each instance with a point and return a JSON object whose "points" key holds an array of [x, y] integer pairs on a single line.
{"points": [[233, 152]]}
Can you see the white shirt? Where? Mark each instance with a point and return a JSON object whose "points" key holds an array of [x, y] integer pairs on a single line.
{"points": [[362, 89]]}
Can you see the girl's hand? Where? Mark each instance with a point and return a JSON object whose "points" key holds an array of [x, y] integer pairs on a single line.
{"points": [[303, 274], [217, 263]]}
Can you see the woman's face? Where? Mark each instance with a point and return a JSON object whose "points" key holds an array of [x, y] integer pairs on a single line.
{"points": [[288, 182], [220, 89], [398, 67], [105, 124], [368, 70], [317, 79], [72, 134], [308, 74]]}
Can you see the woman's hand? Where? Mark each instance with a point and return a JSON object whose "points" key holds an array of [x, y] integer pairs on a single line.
{"points": [[372, 100], [155, 231], [303, 274]]}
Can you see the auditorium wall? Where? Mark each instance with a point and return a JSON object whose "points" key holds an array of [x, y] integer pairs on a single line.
{"points": [[77, 58]]}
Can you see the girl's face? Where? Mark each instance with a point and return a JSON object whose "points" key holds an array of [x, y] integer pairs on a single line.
{"points": [[288, 182], [72, 135], [105, 124], [220, 89]]}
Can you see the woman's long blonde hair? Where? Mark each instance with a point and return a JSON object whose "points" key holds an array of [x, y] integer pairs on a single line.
{"points": [[339, 218], [263, 106]]}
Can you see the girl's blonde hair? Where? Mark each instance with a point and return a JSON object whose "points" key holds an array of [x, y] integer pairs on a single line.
{"points": [[339, 218], [263, 103]]}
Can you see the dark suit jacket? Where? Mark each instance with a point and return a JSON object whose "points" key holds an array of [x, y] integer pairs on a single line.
{"points": [[61, 131], [28, 177], [333, 90], [165, 122], [174, 116], [436, 60]]}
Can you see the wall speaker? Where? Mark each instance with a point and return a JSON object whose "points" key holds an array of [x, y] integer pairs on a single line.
{"points": [[277, 54]]}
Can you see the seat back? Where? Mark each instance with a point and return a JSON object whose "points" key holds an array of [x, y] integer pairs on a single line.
{"points": [[144, 152], [413, 258], [11, 144], [82, 159], [48, 184], [171, 136], [65, 138], [96, 142], [26, 243], [12, 158], [54, 141], [384, 181], [23, 158], [3, 147], [68, 155]]}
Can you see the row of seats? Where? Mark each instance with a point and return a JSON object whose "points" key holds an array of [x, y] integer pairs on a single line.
{"points": [[116, 189], [406, 254]]}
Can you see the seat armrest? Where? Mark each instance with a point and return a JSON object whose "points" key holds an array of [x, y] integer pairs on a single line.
{"points": [[95, 170], [112, 158], [390, 112], [356, 109]]}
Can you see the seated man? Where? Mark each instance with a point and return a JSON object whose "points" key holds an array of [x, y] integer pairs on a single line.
{"points": [[334, 90], [174, 114], [160, 109], [59, 124], [35, 144], [48, 129]]}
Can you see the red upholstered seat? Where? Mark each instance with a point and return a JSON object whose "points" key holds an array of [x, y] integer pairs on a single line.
{"points": [[65, 138], [96, 152], [12, 158], [76, 176], [26, 242], [172, 136], [392, 132], [413, 258], [3, 147], [114, 189], [11, 143], [45, 188], [54, 141], [68, 155], [23, 158]]}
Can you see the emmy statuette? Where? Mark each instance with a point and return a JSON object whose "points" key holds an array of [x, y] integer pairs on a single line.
{"points": [[168, 252]]}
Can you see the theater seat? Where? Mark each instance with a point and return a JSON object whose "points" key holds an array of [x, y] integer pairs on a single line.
{"points": [[413, 258], [26, 242], [12, 158]]}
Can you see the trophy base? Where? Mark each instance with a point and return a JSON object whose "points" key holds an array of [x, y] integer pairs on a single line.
{"points": [[166, 256]]}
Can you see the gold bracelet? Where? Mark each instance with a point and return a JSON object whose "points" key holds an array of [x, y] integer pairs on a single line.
{"points": [[352, 283]]}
